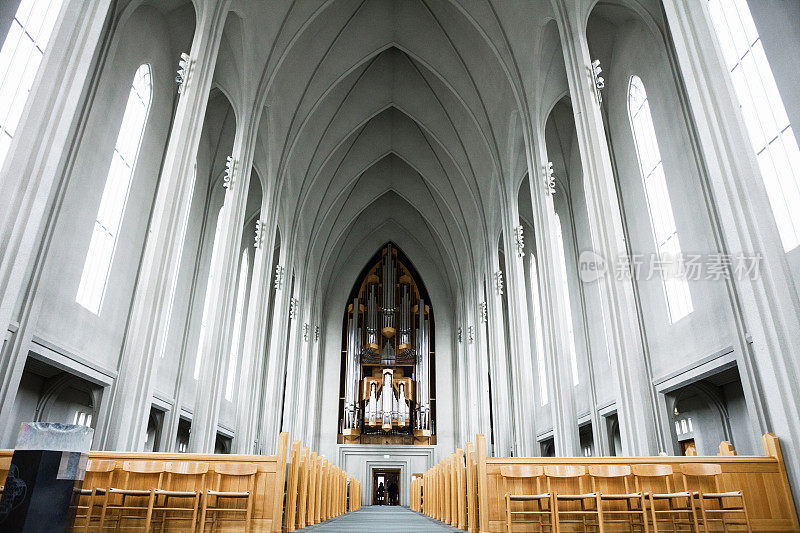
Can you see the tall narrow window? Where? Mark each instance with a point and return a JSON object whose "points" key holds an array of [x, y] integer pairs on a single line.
{"points": [[562, 264], [97, 267], [764, 114], [541, 368], [20, 57], [662, 221], [241, 294], [207, 303]]}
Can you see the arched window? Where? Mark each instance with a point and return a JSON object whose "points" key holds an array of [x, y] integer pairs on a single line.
{"points": [[238, 320], [207, 303], [764, 114], [20, 57], [562, 264], [662, 221], [541, 369], [97, 267]]}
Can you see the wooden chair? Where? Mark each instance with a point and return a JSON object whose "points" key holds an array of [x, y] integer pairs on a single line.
{"points": [[655, 480], [534, 473], [101, 474], [572, 476], [708, 474], [147, 474], [189, 474], [230, 470], [603, 474]]}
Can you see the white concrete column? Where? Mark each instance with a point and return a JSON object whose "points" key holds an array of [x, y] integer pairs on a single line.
{"points": [[462, 361], [768, 304], [483, 366], [521, 340], [255, 335], [300, 413], [34, 167], [293, 353], [502, 407], [555, 330], [132, 393], [635, 406], [478, 373], [271, 406], [311, 417], [216, 341]]}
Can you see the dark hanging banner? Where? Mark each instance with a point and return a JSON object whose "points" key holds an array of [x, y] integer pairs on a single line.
{"points": [[45, 478]]}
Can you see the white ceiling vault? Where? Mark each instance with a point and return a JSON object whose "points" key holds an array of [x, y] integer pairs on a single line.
{"points": [[380, 114]]}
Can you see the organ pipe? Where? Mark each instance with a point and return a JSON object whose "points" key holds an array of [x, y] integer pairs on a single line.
{"points": [[372, 317], [389, 288], [352, 370], [423, 395]]}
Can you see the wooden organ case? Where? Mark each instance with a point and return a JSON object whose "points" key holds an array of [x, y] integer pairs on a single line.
{"points": [[387, 379]]}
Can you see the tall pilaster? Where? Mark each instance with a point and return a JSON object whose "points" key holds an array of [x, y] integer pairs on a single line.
{"points": [[272, 393], [555, 330], [501, 384], [222, 292], [255, 335], [293, 362], [312, 404], [462, 394], [768, 303], [483, 364], [132, 393], [635, 406], [520, 337]]}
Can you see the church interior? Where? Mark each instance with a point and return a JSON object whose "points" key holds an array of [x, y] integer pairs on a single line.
{"points": [[491, 265]]}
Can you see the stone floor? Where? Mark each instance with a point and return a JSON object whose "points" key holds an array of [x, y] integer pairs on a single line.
{"points": [[386, 519]]}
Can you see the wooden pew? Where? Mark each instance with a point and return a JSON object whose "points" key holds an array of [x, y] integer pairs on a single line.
{"points": [[762, 479], [312, 488], [269, 483]]}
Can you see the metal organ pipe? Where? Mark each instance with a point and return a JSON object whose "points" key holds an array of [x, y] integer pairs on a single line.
{"points": [[423, 394], [404, 320], [352, 373], [386, 400], [372, 317], [389, 288]]}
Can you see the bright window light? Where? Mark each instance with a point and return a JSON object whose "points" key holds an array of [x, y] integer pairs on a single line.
{"points": [[764, 114], [233, 355], [562, 264], [537, 327], [662, 221], [97, 267], [22, 52]]}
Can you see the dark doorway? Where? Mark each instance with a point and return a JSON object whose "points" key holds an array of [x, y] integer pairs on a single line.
{"points": [[386, 487]]}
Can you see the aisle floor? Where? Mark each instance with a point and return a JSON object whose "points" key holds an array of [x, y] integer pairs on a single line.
{"points": [[386, 519]]}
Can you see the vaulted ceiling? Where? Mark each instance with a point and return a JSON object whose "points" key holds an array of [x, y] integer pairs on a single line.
{"points": [[382, 115]]}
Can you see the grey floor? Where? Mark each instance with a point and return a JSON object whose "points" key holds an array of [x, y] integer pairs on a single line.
{"points": [[385, 519]]}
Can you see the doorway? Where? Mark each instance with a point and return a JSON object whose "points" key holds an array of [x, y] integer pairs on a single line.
{"points": [[386, 483]]}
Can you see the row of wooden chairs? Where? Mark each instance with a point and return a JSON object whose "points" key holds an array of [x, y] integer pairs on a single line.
{"points": [[192, 482], [652, 503], [475, 492]]}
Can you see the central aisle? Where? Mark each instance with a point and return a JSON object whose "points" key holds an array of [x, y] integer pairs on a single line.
{"points": [[386, 519]]}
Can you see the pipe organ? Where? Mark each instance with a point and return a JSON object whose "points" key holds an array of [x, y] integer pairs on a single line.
{"points": [[387, 395]]}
